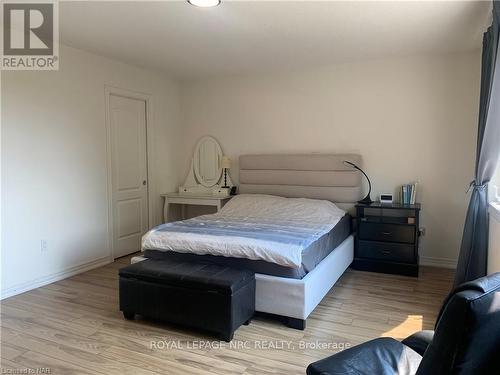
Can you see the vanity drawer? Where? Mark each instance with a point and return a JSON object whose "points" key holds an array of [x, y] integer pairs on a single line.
{"points": [[386, 251], [387, 232]]}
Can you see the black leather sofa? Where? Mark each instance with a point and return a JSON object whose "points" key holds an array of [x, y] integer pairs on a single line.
{"points": [[466, 341]]}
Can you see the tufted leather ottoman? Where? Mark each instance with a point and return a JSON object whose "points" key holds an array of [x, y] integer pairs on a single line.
{"points": [[210, 297]]}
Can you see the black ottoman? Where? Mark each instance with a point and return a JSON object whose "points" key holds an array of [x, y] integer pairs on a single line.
{"points": [[206, 296]]}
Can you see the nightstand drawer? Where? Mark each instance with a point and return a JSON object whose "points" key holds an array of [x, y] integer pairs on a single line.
{"points": [[387, 232], [386, 251]]}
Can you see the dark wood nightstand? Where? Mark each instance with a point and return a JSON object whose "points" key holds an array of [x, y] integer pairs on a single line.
{"points": [[387, 238]]}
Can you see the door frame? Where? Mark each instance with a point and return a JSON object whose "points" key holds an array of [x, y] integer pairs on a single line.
{"points": [[147, 98]]}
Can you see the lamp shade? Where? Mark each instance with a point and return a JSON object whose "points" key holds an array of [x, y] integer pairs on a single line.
{"points": [[226, 162]]}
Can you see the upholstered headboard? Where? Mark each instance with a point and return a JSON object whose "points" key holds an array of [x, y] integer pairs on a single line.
{"points": [[317, 176]]}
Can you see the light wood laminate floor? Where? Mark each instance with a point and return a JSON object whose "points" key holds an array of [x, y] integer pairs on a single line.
{"points": [[74, 327]]}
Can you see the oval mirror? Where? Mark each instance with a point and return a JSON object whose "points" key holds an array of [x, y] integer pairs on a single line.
{"points": [[207, 161]]}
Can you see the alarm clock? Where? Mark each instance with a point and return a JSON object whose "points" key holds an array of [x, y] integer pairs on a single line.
{"points": [[386, 198]]}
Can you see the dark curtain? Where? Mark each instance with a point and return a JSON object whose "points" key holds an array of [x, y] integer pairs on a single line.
{"points": [[472, 262]]}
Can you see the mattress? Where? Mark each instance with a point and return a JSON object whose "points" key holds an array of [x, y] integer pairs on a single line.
{"points": [[311, 256], [251, 226]]}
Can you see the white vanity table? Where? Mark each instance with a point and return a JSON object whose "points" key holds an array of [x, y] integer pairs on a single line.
{"points": [[203, 183], [192, 199]]}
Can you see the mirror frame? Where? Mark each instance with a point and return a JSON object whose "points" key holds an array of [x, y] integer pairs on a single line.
{"points": [[196, 168]]}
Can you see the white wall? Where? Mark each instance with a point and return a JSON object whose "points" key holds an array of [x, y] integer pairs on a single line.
{"points": [[54, 162], [411, 119]]}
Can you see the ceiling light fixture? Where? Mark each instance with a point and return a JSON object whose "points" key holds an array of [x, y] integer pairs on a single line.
{"points": [[204, 3]]}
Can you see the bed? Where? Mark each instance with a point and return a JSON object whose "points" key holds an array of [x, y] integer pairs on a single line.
{"points": [[296, 264]]}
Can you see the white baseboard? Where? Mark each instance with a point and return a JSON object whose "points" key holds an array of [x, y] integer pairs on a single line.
{"points": [[438, 262], [71, 271]]}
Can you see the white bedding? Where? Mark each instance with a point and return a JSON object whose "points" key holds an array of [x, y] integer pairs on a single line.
{"points": [[252, 226]]}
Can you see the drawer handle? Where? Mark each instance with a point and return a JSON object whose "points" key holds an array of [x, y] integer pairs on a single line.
{"points": [[386, 233], [386, 251]]}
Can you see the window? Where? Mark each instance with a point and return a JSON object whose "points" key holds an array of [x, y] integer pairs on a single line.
{"points": [[494, 190]]}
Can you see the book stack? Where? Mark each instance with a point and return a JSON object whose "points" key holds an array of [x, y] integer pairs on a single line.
{"points": [[409, 193]]}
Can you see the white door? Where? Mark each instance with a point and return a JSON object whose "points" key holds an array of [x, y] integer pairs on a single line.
{"points": [[127, 119]]}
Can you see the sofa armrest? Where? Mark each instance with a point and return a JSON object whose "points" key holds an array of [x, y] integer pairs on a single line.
{"points": [[419, 341], [380, 356]]}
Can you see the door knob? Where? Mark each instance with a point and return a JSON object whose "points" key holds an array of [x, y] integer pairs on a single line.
{"points": [[144, 182]]}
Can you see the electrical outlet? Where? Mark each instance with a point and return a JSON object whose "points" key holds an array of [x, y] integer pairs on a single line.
{"points": [[44, 246], [421, 231]]}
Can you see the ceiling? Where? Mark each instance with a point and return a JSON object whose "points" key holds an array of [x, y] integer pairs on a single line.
{"points": [[258, 36]]}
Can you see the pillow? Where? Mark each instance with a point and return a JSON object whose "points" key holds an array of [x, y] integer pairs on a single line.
{"points": [[280, 208]]}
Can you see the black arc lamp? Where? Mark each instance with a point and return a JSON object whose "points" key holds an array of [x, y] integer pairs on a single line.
{"points": [[367, 199]]}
